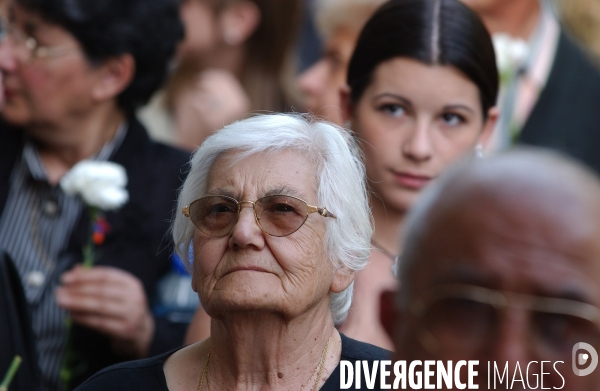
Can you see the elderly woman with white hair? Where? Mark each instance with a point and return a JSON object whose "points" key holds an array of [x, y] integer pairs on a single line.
{"points": [[276, 209]]}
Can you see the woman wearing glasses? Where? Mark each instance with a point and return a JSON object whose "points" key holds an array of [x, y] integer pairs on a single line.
{"points": [[276, 210], [74, 73], [422, 89]]}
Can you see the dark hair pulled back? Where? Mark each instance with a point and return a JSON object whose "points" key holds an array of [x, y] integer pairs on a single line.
{"points": [[434, 32]]}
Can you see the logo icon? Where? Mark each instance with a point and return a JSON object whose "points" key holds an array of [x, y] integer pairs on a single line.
{"points": [[580, 358]]}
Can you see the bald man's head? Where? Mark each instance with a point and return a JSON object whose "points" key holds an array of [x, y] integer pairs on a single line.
{"points": [[524, 226]]}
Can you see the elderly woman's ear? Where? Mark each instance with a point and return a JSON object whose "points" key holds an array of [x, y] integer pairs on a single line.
{"points": [[342, 279]]}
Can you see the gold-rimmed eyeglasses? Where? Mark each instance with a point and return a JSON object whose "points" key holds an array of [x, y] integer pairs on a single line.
{"points": [[465, 318], [276, 215]]}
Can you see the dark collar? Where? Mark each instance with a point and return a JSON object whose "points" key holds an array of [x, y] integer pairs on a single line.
{"points": [[13, 140]]}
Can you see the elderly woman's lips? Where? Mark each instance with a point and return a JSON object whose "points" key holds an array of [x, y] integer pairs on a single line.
{"points": [[246, 268], [412, 181]]}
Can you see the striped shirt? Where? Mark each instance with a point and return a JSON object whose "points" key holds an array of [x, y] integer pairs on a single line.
{"points": [[35, 228]]}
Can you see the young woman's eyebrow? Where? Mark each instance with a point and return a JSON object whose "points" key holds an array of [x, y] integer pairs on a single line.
{"points": [[393, 96], [460, 107]]}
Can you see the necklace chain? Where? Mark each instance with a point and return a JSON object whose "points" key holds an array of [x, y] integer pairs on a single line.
{"points": [[318, 370], [204, 375], [377, 246]]}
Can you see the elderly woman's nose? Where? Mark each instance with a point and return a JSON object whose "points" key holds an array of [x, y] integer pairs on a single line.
{"points": [[246, 231]]}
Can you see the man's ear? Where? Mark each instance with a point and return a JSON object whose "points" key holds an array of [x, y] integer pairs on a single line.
{"points": [[115, 75], [488, 126], [238, 21], [346, 104]]}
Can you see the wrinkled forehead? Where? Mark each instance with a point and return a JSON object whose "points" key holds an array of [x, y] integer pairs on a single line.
{"points": [[513, 245], [239, 175]]}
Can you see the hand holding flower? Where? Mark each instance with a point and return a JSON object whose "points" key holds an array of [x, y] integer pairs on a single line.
{"points": [[93, 302], [111, 301]]}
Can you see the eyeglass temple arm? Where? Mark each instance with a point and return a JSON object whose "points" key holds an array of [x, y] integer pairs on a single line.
{"points": [[186, 211], [322, 211]]}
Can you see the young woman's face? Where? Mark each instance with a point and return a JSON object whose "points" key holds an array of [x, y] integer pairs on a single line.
{"points": [[413, 121]]}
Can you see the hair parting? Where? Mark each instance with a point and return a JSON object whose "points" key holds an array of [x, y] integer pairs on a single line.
{"points": [[435, 33]]}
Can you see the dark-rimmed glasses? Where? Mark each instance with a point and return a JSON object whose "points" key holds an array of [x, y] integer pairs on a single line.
{"points": [[465, 318], [276, 215]]}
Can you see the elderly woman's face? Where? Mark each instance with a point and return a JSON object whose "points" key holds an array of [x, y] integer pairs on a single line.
{"points": [[49, 84], [250, 270]]}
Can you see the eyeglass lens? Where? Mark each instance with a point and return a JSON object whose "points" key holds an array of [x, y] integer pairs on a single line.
{"points": [[459, 324], [277, 215]]}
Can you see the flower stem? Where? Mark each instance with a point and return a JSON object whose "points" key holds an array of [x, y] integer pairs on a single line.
{"points": [[88, 249], [12, 370]]}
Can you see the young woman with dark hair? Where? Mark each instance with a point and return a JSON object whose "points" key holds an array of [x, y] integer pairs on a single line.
{"points": [[422, 93]]}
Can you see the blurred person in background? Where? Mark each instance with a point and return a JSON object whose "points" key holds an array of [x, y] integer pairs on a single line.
{"points": [[4, 6], [339, 22], [582, 19], [236, 58], [74, 73], [422, 92], [550, 87], [500, 264]]}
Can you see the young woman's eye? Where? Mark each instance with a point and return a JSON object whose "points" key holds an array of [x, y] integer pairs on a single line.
{"points": [[452, 119], [393, 109]]}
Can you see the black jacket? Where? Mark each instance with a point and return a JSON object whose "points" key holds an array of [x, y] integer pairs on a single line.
{"points": [[138, 240], [566, 116]]}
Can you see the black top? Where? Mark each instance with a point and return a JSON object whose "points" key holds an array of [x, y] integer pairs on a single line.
{"points": [[148, 375]]}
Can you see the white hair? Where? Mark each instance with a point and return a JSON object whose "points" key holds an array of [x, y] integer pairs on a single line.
{"points": [[341, 184]]}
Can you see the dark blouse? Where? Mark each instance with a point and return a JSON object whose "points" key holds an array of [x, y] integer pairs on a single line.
{"points": [[148, 374]]}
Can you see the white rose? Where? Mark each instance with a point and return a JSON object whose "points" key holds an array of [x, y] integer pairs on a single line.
{"points": [[510, 52], [100, 184]]}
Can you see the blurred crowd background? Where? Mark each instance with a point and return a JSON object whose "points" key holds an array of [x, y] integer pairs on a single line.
{"points": [[155, 80]]}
